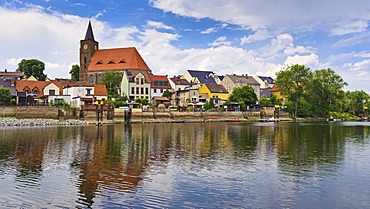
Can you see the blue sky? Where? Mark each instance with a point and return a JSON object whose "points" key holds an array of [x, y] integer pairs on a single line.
{"points": [[255, 37]]}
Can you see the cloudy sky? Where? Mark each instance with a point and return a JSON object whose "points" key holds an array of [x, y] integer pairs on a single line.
{"points": [[255, 37]]}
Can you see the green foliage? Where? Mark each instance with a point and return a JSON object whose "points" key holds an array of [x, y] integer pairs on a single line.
{"points": [[357, 100], [166, 94], [118, 101], [143, 101], [5, 96], [293, 82], [32, 67], [264, 101], [325, 92], [75, 72], [62, 105], [243, 95], [209, 104], [111, 80], [13, 102]]}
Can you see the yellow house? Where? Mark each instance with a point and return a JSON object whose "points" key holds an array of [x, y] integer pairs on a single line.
{"points": [[275, 91], [217, 92]]}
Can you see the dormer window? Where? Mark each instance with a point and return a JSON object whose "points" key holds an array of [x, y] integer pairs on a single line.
{"points": [[122, 61], [111, 62], [99, 62]]}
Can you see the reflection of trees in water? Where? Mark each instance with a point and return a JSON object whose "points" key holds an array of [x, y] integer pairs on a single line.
{"points": [[301, 145]]}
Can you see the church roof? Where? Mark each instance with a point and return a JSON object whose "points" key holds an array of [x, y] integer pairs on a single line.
{"points": [[117, 59], [89, 33]]}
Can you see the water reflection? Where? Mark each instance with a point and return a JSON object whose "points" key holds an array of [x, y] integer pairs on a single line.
{"points": [[181, 165]]}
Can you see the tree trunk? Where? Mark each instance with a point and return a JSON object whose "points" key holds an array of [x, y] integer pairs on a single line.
{"points": [[296, 108]]}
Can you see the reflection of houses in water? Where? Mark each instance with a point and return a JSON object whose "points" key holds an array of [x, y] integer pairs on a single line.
{"points": [[109, 161]]}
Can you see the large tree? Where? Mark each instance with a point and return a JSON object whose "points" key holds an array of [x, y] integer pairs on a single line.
{"points": [[325, 92], [75, 72], [357, 100], [293, 82], [244, 95], [111, 80], [32, 67], [5, 96]]}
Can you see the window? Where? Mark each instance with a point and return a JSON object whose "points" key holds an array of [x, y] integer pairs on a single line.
{"points": [[161, 91], [146, 91], [88, 91], [51, 92], [142, 80], [137, 90], [57, 101], [35, 91], [160, 83], [155, 91], [142, 90], [132, 90], [137, 80], [91, 79]]}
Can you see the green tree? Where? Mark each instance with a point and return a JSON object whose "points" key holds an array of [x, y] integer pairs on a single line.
{"points": [[264, 101], [325, 92], [143, 101], [356, 101], [75, 72], [5, 96], [166, 94], [244, 95], [293, 82], [111, 80], [32, 67], [209, 104]]}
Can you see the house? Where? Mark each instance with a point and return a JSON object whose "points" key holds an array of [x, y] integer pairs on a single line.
{"points": [[265, 82], [232, 81], [276, 92], [158, 85], [210, 90], [156, 100], [201, 77], [30, 91], [83, 94], [182, 97], [94, 62], [178, 83], [135, 84], [8, 79]]}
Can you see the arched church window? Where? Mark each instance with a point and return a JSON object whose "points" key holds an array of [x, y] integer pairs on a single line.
{"points": [[91, 79]]}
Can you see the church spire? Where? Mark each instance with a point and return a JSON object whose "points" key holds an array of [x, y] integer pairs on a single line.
{"points": [[89, 32]]}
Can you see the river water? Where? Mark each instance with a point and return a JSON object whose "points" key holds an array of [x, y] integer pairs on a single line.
{"points": [[213, 165]]}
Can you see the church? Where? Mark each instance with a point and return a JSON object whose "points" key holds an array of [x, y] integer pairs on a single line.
{"points": [[94, 62]]}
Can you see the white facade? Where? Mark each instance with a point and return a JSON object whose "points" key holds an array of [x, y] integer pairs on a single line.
{"points": [[137, 88]]}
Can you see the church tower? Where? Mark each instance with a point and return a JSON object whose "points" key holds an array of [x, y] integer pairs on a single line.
{"points": [[87, 48]]}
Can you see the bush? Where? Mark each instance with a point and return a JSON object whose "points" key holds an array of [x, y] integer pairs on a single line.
{"points": [[13, 102]]}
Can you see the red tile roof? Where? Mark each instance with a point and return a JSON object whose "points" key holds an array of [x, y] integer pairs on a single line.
{"points": [[117, 59], [23, 85], [164, 78], [100, 90]]}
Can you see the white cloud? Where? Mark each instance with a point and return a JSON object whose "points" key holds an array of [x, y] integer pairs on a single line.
{"points": [[259, 35], [353, 40], [311, 60], [158, 25], [349, 26], [208, 31], [281, 16], [220, 41]]}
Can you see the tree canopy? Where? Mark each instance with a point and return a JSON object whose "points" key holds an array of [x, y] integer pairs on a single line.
{"points": [[244, 95], [75, 72], [5, 96], [292, 82], [111, 80], [166, 94], [32, 67]]}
